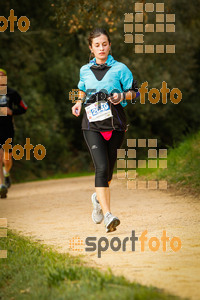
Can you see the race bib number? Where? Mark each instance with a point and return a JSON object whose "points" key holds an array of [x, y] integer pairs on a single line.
{"points": [[98, 114]]}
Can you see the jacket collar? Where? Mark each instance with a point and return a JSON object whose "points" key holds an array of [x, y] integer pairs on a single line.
{"points": [[110, 61]]}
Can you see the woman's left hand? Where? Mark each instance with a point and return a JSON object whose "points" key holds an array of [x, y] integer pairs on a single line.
{"points": [[116, 98]]}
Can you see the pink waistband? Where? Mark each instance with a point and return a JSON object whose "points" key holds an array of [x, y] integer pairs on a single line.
{"points": [[107, 134]]}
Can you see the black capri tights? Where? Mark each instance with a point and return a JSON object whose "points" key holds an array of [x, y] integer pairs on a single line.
{"points": [[104, 154]]}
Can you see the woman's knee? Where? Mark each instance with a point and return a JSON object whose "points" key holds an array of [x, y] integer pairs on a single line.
{"points": [[102, 171]]}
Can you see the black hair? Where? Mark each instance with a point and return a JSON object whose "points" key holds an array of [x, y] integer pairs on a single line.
{"points": [[97, 32]]}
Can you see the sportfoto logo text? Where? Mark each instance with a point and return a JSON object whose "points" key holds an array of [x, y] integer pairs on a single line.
{"points": [[18, 151], [153, 95], [23, 23], [116, 244]]}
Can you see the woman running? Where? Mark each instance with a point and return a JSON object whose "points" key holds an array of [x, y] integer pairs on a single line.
{"points": [[104, 86]]}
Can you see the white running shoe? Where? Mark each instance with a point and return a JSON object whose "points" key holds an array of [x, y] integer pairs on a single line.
{"points": [[97, 213], [111, 222]]}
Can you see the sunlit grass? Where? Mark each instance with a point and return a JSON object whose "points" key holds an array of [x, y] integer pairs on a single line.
{"points": [[34, 271]]}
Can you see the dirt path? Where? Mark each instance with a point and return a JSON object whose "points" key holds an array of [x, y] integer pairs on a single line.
{"points": [[56, 211]]}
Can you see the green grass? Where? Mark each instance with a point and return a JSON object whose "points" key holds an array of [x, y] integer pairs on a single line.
{"points": [[35, 271], [183, 166]]}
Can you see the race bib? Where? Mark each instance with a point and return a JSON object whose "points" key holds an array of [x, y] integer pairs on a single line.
{"points": [[98, 114]]}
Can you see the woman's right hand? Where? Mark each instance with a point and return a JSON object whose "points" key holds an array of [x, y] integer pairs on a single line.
{"points": [[76, 109]]}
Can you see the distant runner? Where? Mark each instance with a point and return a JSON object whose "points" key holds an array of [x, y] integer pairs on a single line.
{"points": [[15, 106], [104, 84]]}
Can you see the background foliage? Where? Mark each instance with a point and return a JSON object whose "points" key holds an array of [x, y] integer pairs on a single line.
{"points": [[43, 66]]}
